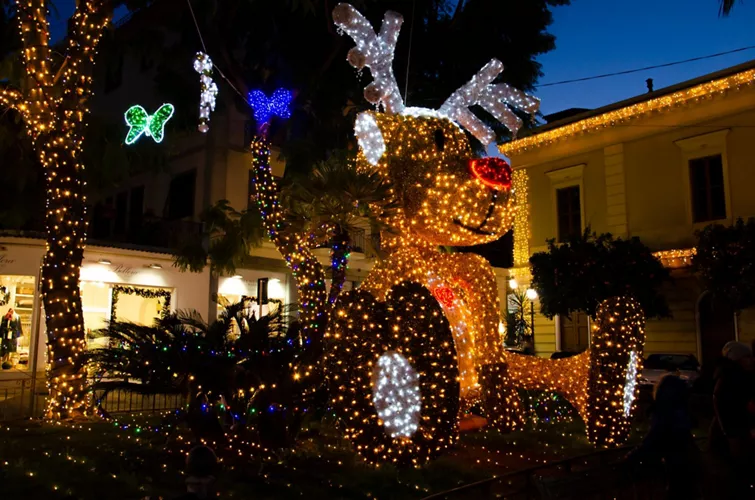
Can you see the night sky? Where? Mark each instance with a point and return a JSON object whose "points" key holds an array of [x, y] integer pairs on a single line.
{"points": [[602, 36]]}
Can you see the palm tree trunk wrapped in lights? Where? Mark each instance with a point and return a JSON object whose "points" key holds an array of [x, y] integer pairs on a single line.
{"points": [[339, 258], [54, 106], [295, 249]]}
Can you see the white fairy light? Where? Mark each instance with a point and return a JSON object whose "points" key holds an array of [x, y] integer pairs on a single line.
{"points": [[369, 137], [631, 383], [494, 98], [203, 66], [396, 395], [374, 51]]}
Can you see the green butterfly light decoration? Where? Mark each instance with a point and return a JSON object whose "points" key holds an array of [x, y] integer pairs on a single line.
{"points": [[142, 123]]}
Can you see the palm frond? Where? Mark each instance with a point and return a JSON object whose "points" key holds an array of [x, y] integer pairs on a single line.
{"points": [[726, 6]]}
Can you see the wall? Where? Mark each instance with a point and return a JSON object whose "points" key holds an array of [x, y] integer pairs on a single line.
{"points": [[191, 290], [23, 256], [657, 184], [635, 182], [677, 334], [542, 196]]}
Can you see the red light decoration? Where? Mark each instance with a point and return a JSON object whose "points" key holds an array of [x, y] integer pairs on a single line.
{"points": [[493, 172], [445, 296]]}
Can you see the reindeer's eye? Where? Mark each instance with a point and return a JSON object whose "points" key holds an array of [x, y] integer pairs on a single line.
{"points": [[440, 140]]}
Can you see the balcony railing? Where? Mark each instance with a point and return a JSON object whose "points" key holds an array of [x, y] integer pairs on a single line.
{"points": [[152, 232], [358, 240]]}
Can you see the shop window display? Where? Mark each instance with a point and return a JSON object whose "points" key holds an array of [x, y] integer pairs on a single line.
{"points": [[251, 308], [16, 307], [103, 302], [96, 297], [138, 304]]}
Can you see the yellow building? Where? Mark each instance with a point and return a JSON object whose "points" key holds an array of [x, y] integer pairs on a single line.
{"points": [[659, 167]]}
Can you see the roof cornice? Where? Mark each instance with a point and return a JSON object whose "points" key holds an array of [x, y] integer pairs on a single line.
{"points": [[689, 95]]}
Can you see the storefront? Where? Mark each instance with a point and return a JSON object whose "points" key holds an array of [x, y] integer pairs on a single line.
{"points": [[273, 287], [19, 308], [116, 283], [136, 286]]}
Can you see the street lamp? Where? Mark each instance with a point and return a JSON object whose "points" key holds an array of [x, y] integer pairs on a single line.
{"points": [[532, 296], [513, 284]]}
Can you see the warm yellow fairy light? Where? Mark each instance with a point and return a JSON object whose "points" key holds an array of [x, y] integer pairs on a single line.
{"points": [[676, 258], [363, 337], [600, 383], [519, 183], [426, 160], [421, 335], [56, 126], [620, 116], [440, 204]]}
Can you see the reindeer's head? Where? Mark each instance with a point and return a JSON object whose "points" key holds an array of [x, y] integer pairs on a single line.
{"points": [[447, 195]]}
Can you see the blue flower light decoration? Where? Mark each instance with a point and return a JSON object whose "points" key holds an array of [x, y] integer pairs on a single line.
{"points": [[279, 104]]}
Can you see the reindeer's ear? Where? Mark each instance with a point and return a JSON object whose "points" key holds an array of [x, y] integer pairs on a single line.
{"points": [[369, 137]]}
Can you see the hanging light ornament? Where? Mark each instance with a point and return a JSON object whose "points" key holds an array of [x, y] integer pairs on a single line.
{"points": [[142, 123], [265, 108], [209, 90]]}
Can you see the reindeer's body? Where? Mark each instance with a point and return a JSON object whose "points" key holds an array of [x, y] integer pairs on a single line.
{"points": [[421, 333], [463, 284]]}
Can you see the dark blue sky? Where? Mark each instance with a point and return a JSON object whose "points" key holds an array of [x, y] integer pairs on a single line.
{"points": [[602, 36]]}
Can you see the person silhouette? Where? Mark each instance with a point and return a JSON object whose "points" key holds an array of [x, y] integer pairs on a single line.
{"points": [[669, 442]]}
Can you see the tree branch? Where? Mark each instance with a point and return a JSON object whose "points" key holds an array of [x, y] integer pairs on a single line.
{"points": [[87, 26], [12, 98], [35, 36]]}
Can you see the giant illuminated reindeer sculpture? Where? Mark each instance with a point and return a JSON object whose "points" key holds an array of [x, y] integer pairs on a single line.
{"points": [[420, 337]]}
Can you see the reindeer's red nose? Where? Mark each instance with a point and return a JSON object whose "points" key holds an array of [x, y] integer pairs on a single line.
{"points": [[493, 172]]}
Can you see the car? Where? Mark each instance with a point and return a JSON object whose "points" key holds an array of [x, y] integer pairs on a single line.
{"points": [[656, 366]]}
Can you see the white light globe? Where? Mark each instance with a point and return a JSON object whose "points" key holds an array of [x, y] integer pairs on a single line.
{"points": [[630, 383], [396, 395]]}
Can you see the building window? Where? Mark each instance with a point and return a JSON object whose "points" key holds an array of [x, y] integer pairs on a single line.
{"points": [[574, 331], [121, 206], [568, 212], [114, 73], [706, 177], [131, 305], [16, 310], [181, 195], [136, 208]]}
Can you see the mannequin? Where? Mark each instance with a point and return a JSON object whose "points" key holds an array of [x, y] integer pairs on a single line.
{"points": [[10, 331]]}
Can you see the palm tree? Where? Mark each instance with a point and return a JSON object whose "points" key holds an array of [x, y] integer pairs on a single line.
{"points": [[241, 361], [726, 7], [333, 202], [229, 236], [323, 207]]}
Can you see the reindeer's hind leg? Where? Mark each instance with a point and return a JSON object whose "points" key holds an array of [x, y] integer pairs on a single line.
{"points": [[600, 383]]}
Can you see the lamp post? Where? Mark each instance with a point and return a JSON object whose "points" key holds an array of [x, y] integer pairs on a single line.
{"points": [[532, 296]]}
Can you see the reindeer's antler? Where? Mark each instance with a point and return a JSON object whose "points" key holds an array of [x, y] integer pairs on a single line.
{"points": [[494, 98], [374, 51]]}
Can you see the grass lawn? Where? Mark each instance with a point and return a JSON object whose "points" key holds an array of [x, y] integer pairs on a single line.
{"points": [[133, 459], [140, 456]]}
